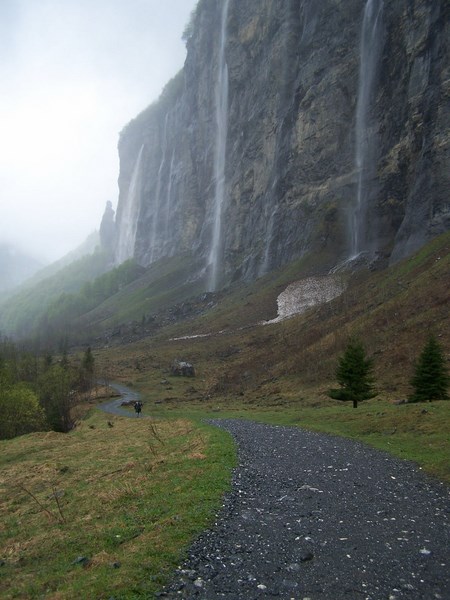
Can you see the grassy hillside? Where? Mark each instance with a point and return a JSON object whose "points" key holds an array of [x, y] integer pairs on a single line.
{"points": [[121, 500], [87, 298], [158, 287], [21, 313], [106, 510], [285, 369], [391, 311]]}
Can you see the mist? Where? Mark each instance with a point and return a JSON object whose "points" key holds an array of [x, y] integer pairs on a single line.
{"points": [[72, 74]]}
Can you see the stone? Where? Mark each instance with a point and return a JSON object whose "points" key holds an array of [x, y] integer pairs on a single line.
{"points": [[182, 369], [306, 556], [81, 560]]}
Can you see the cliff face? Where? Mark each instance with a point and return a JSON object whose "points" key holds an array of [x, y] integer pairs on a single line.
{"points": [[295, 126]]}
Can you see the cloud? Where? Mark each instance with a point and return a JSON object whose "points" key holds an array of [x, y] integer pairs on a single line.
{"points": [[73, 73]]}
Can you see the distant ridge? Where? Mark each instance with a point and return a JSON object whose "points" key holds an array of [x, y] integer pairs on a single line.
{"points": [[15, 267], [87, 247]]}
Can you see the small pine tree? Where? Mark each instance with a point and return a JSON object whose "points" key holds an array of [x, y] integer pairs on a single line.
{"points": [[88, 361], [431, 379], [86, 372], [354, 374]]}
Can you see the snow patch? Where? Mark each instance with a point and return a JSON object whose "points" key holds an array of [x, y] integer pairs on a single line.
{"points": [[306, 293], [189, 337]]}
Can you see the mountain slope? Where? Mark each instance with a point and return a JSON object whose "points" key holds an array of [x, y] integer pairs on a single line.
{"points": [[391, 311]]}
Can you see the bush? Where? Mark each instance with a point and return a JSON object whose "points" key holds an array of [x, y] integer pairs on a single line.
{"points": [[20, 412], [430, 380], [354, 374], [55, 387]]}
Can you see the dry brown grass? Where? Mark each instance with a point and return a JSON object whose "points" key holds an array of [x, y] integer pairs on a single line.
{"points": [[100, 492]]}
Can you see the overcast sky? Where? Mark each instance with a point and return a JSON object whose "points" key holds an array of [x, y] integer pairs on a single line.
{"points": [[72, 74]]}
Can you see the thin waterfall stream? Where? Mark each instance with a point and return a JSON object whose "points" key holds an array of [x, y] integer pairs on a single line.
{"points": [[221, 98], [129, 217], [370, 52], [155, 234]]}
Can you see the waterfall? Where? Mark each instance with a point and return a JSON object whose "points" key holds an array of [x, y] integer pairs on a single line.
{"points": [[370, 52], [130, 214], [221, 101], [155, 233], [265, 267], [169, 204]]}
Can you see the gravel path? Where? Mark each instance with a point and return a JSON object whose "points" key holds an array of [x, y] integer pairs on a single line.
{"points": [[114, 407], [316, 517]]}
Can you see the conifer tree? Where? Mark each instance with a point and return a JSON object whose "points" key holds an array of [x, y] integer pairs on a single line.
{"points": [[87, 370], [431, 379], [88, 361], [354, 374]]}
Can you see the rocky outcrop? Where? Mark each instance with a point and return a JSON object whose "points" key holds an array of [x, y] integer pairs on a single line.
{"points": [[290, 176], [107, 231]]}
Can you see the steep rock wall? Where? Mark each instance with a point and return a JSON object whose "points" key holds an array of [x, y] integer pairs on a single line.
{"points": [[293, 69]]}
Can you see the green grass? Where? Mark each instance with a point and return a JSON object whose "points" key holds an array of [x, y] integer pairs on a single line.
{"points": [[416, 432], [132, 495]]}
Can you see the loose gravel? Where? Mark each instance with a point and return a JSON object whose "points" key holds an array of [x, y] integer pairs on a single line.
{"points": [[315, 517]]}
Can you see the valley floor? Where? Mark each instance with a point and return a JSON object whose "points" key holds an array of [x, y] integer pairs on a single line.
{"points": [[319, 517]]}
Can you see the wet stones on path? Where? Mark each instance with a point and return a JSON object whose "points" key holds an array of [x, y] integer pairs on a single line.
{"points": [[318, 517]]}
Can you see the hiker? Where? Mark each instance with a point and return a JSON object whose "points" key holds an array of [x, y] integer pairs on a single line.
{"points": [[138, 407]]}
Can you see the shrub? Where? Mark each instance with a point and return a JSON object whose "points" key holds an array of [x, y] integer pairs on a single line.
{"points": [[20, 412], [430, 380], [354, 374]]}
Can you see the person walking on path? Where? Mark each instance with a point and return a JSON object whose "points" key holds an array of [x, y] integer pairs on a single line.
{"points": [[138, 408]]}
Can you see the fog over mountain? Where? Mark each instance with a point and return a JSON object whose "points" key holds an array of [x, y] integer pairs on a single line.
{"points": [[72, 74], [15, 267]]}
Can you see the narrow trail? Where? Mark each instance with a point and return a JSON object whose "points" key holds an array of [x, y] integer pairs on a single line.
{"points": [[114, 407], [314, 517]]}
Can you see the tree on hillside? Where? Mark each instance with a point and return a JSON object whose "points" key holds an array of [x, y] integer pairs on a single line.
{"points": [[431, 379], [88, 361], [20, 411], [86, 377], [354, 374], [55, 387]]}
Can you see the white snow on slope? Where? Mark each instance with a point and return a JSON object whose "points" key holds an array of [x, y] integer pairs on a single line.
{"points": [[306, 293]]}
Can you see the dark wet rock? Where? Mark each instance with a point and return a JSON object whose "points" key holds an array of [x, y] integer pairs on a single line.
{"points": [[81, 560], [306, 556], [182, 368]]}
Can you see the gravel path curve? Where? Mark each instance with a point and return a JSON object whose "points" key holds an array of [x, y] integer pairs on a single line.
{"points": [[114, 407], [315, 517]]}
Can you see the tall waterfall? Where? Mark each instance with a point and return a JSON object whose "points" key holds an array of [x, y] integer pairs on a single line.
{"points": [[221, 100], [130, 214], [370, 52], [155, 233], [167, 239]]}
